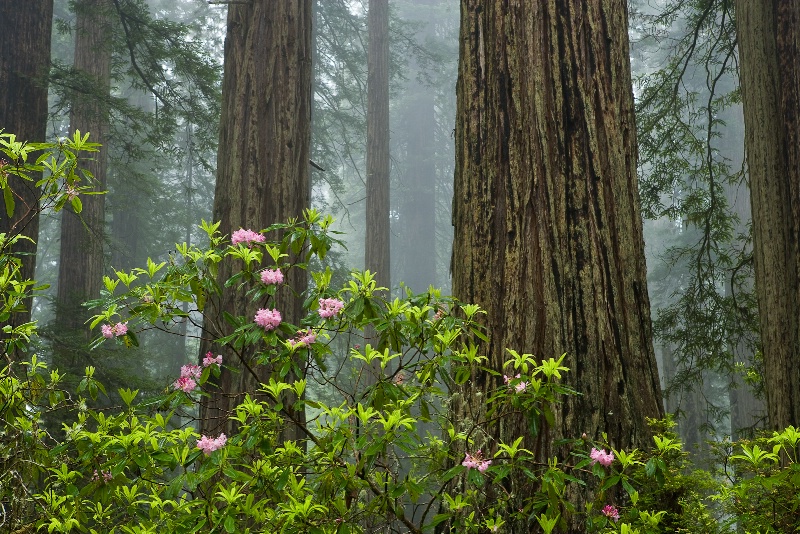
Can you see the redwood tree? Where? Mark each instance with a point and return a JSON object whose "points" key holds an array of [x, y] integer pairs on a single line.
{"points": [[25, 30], [548, 232], [769, 46], [418, 205], [80, 271], [262, 167], [377, 231]]}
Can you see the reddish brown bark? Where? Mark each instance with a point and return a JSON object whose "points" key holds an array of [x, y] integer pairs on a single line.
{"points": [[548, 232], [262, 166], [769, 46], [25, 30], [80, 272]]}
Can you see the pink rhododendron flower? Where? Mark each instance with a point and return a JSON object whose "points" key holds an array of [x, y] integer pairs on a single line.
{"points": [[329, 307], [209, 445], [185, 384], [106, 475], [191, 371], [210, 359], [109, 331], [518, 387], [476, 461], [270, 276], [246, 236], [611, 512], [190, 374], [602, 457], [71, 192], [268, 319], [304, 337]]}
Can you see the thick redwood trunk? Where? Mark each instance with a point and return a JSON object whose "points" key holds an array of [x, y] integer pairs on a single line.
{"points": [[769, 43], [548, 232]]}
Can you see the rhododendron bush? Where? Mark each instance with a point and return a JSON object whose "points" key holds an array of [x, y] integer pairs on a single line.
{"points": [[381, 448], [381, 452]]}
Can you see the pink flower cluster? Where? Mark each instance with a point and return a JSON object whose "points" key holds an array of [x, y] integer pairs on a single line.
{"points": [[611, 512], [602, 457], [270, 276], [190, 374], [329, 307], [268, 319], [304, 337], [209, 445], [519, 387], [119, 329], [105, 475], [210, 359], [476, 461], [247, 237], [71, 192]]}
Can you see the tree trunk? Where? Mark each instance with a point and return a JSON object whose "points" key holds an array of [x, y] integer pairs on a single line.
{"points": [[80, 270], [25, 30], [376, 247], [418, 210], [262, 168], [548, 232], [747, 412], [769, 36]]}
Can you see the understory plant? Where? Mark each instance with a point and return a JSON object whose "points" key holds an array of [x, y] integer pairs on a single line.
{"points": [[379, 448]]}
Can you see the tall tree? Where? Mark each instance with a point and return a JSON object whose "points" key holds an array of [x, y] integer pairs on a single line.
{"points": [[25, 31], [376, 248], [769, 48], [262, 164], [418, 205], [548, 232], [80, 273]]}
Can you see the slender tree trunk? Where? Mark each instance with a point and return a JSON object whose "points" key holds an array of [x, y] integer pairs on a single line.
{"points": [[769, 40], [80, 270], [25, 30], [418, 228], [377, 258], [262, 169], [746, 410], [128, 201], [548, 231]]}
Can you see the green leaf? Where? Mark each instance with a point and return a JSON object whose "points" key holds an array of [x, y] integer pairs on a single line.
{"points": [[128, 395], [452, 472], [8, 196]]}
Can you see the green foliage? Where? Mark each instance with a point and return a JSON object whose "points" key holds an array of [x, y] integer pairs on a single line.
{"points": [[380, 446], [365, 459]]}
